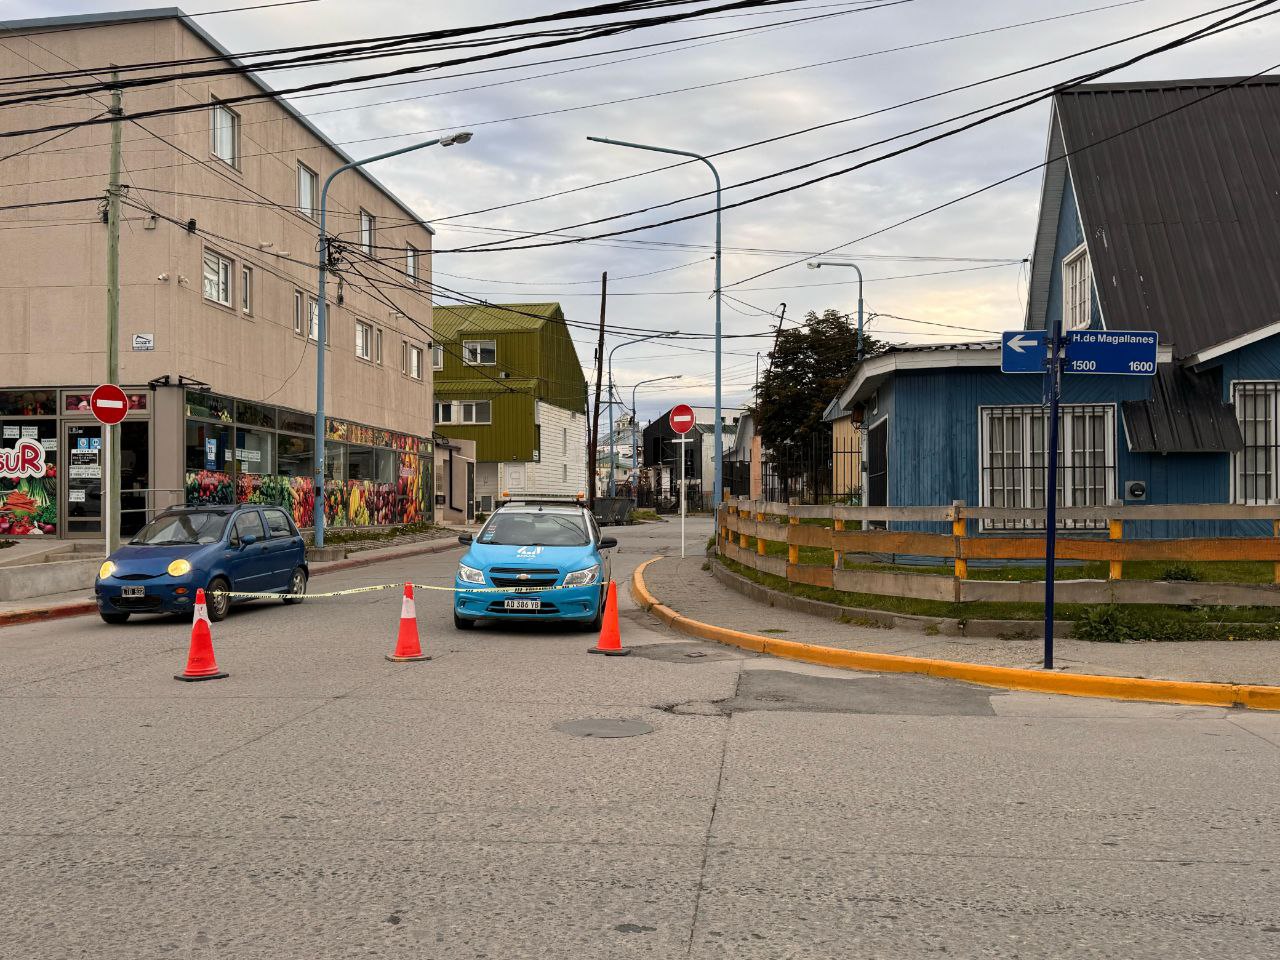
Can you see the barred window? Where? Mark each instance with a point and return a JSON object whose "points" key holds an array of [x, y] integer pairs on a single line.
{"points": [[1256, 469], [1014, 463]]}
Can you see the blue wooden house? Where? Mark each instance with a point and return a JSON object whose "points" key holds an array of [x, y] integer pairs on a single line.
{"points": [[1160, 210]]}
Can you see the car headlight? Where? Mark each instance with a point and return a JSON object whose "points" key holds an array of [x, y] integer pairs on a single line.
{"points": [[582, 578], [106, 570], [469, 574], [179, 568]]}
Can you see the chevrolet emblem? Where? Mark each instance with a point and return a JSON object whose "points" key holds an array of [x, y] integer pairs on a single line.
{"points": [[522, 576]]}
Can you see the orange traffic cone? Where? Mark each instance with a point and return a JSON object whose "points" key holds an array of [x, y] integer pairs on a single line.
{"points": [[610, 643], [407, 645], [200, 662]]}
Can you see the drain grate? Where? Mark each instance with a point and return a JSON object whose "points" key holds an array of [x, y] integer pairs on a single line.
{"points": [[604, 727]]}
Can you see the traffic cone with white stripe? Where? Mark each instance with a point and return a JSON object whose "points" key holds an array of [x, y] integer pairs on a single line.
{"points": [[408, 647], [200, 662]]}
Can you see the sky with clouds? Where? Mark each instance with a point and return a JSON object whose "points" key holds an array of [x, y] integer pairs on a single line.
{"points": [[628, 99]]}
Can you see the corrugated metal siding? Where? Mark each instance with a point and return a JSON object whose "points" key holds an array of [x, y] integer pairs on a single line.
{"points": [[1183, 215]]}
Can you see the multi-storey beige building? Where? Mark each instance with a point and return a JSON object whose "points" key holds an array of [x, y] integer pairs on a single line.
{"points": [[217, 292]]}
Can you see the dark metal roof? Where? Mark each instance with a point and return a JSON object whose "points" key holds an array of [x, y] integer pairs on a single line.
{"points": [[1182, 215], [1185, 414]]}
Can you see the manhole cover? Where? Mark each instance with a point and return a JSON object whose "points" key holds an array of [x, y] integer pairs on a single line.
{"points": [[598, 727]]}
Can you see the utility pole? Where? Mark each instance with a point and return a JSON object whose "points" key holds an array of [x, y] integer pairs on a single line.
{"points": [[594, 445], [111, 498]]}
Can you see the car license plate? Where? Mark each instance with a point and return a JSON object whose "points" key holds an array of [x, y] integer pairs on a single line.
{"points": [[522, 604], [132, 592]]}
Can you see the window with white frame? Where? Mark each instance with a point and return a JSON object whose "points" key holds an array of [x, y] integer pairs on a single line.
{"points": [[1077, 284], [411, 361], [364, 340], [377, 345], [437, 356], [246, 289], [217, 278], [225, 133], [368, 231], [1014, 462], [313, 320], [1255, 470], [480, 353], [411, 262], [299, 308], [308, 196]]}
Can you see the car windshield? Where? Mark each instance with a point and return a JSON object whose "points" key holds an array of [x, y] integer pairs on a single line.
{"points": [[527, 529], [195, 527]]}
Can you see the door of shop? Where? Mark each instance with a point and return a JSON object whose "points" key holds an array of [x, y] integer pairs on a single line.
{"points": [[82, 489]]}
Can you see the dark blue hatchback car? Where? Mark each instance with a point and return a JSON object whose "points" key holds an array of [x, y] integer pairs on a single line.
{"points": [[250, 548]]}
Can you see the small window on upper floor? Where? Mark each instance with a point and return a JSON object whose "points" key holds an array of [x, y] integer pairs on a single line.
{"points": [[437, 357], [364, 340], [368, 230], [217, 278], [412, 364], [246, 289], [411, 262], [1077, 284], [480, 353], [225, 129], [308, 199]]}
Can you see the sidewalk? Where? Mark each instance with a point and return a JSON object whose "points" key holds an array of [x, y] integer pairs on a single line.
{"points": [[79, 602], [693, 592]]}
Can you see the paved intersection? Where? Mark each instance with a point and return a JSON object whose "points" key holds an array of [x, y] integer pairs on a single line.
{"points": [[322, 802]]}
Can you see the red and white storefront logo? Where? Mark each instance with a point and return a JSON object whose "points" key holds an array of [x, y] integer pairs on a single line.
{"points": [[22, 461]]}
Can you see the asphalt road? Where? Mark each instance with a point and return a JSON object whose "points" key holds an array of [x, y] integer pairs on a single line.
{"points": [[325, 803]]}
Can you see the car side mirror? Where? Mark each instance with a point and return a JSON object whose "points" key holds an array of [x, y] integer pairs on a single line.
{"points": [[607, 542], [248, 540], [464, 539]]}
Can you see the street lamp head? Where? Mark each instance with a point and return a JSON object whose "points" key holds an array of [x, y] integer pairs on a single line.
{"points": [[462, 136]]}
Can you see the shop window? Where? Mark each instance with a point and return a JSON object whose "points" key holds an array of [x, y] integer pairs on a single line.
{"points": [[210, 406], [387, 466], [254, 452], [295, 456], [297, 422], [362, 463], [255, 415], [29, 403], [28, 505], [335, 461], [207, 446]]}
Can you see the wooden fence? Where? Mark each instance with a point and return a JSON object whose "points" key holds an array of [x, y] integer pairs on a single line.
{"points": [[742, 521]]}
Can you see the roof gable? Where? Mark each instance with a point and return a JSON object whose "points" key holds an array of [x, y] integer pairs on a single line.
{"points": [[1182, 214]]}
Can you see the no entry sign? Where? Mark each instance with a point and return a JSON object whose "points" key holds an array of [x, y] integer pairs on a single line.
{"points": [[681, 418], [108, 403]]}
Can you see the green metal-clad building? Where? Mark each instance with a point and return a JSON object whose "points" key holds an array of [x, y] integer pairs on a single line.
{"points": [[508, 377]]}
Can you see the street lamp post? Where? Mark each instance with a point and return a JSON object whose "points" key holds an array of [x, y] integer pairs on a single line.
{"points": [[322, 314], [635, 446], [815, 264], [719, 425], [613, 441]]}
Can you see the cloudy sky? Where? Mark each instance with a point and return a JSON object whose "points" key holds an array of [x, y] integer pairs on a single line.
{"points": [[842, 65]]}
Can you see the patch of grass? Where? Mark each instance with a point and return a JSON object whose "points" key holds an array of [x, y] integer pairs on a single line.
{"points": [[1112, 623], [643, 516], [336, 537], [1205, 619]]}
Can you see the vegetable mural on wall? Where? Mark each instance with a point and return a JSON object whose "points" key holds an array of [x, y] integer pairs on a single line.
{"points": [[210, 487], [28, 491], [295, 494]]}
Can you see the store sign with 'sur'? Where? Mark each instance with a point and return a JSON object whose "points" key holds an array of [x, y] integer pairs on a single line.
{"points": [[24, 460]]}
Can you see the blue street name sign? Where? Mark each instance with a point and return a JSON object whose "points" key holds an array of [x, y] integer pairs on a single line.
{"points": [[1125, 353], [1023, 351]]}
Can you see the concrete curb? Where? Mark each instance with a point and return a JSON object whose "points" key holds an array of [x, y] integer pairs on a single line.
{"points": [[1198, 693], [80, 608]]}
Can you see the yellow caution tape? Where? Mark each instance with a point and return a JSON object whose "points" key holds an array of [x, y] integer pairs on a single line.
{"points": [[244, 595]]}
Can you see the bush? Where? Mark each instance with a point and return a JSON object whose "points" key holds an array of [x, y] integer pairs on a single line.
{"points": [[1180, 571], [1115, 624], [1105, 624]]}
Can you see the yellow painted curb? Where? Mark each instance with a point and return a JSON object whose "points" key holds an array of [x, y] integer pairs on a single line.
{"points": [[1256, 697]]}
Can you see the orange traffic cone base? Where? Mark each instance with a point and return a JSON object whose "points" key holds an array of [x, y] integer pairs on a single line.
{"points": [[610, 653], [395, 659], [217, 675]]}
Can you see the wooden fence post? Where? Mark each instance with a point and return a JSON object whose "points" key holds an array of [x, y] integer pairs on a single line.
{"points": [[742, 534], [793, 551], [837, 558], [1115, 531], [760, 541], [958, 531]]}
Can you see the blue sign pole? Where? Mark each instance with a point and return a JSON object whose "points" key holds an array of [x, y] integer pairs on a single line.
{"points": [[1053, 391]]}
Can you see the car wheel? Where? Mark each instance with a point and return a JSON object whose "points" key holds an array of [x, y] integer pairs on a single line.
{"points": [[116, 618], [297, 585], [463, 623], [219, 604]]}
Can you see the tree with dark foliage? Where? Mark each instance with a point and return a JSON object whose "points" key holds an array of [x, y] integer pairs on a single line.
{"points": [[807, 368]]}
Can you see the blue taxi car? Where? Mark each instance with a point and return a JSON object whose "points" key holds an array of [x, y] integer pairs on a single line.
{"points": [[250, 548], [534, 544]]}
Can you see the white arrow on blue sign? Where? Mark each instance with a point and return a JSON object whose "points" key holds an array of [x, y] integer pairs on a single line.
{"points": [[1023, 351], [1126, 353]]}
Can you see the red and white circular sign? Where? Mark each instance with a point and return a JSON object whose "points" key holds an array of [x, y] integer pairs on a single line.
{"points": [[681, 418], [108, 403]]}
